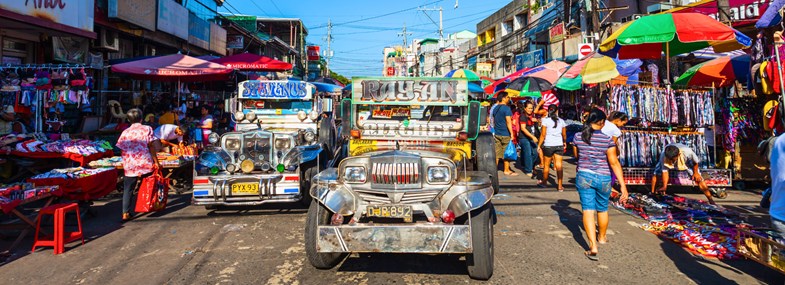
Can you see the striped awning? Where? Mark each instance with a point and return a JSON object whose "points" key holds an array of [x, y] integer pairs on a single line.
{"points": [[708, 53]]}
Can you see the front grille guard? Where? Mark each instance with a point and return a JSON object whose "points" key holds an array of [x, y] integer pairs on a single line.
{"points": [[267, 186]]}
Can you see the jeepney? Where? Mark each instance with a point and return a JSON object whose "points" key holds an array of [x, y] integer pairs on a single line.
{"points": [[281, 140], [408, 184]]}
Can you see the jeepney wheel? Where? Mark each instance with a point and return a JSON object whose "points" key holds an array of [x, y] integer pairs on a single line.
{"points": [[327, 135], [320, 260], [486, 158], [310, 169], [480, 262]]}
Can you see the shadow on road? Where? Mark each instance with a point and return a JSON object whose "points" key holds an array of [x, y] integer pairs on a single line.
{"points": [[405, 263], [572, 219], [693, 267]]}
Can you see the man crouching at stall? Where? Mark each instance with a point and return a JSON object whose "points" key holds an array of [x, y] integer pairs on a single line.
{"points": [[682, 158]]}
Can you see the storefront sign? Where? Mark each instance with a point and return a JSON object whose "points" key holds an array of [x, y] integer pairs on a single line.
{"points": [[425, 91], [313, 53], [484, 66], [741, 12], [138, 12], [73, 13], [274, 89], [530, 59], [173, 18], [70, 49], [198, 31], [472, 63], [235, 41], [557, 32], [217, 39]]}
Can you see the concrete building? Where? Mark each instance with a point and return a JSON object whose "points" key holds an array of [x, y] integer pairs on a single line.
{"points": [[436, 59], [398, 61]]}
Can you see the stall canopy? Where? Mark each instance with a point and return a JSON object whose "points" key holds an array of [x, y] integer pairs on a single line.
{"points": [[175, 67], [326, 87], [253, 62], [718, 72], [329, 80]]}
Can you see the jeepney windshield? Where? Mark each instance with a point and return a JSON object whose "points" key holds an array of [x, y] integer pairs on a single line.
{"points": [[412, 114]]}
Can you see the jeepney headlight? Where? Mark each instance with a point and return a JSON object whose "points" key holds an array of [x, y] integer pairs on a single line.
{"points": [[232, 144], [301, 115], [213, 138], [439, 174], [239, 116], [354, 174], [313, 115], [309, 136], [282, 143]]}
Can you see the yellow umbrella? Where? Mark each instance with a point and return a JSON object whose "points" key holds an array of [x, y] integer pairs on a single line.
{"points": [[598, 68]]}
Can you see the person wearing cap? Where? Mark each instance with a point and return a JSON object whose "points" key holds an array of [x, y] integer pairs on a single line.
{"points": [[682, 158]]}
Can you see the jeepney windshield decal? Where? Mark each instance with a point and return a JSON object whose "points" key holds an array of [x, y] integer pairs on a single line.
{"points": [[277, 107], [275, 89], [409, 91]]}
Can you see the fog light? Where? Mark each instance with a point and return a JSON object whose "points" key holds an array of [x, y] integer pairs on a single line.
{"points": [[448, 217], [336, 220]]}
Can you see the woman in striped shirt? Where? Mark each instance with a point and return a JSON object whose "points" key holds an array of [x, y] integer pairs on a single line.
{"points": [[596, 159]]}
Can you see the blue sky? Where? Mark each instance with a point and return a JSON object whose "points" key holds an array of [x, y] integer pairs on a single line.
{"points": [[358, 45]]}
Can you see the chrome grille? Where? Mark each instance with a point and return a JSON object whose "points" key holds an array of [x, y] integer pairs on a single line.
{"points": [[395, 173], [376, 198]]}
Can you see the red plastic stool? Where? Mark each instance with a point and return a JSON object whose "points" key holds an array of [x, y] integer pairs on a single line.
{"points": [[60, 237]]}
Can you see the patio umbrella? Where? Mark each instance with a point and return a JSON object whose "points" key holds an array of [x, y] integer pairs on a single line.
{"points": [[463, 73], [253, 62], [596, 68], [174, 67], [329, 80], [475, 88], [348, 87], [490, 89], [718, 72], [326, 87], [772, 15], [528, 86], [650, 36], [550, 71]]}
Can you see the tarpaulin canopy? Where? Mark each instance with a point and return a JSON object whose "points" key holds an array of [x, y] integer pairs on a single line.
{"points": [[175, 67], [326, 87], [248, 61]]}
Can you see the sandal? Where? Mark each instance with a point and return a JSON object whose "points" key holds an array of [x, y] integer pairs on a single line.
{"points": [[602, 241], [561, 189], [126, 217], [541, 184], [511, 174], [591, 255]]}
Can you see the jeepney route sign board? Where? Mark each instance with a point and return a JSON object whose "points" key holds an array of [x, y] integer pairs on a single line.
{"points": [[410, 91], [274, 89]]}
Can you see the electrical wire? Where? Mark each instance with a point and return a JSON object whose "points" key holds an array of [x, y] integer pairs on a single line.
{"points": [[377, 16], [276, 7]]}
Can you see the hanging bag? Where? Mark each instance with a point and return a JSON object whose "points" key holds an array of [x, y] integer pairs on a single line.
{"points": [[510, 153], [153, 193]]}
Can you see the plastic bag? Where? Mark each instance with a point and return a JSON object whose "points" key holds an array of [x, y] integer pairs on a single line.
{"points": [[511, 152]]}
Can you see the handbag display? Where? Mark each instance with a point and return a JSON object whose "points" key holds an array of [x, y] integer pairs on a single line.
{"points": [[153, 193]]}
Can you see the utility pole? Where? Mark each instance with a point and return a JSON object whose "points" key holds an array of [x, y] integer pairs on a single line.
{"points": [[441, 27], [595, 20], [329, 52], [405, 54]]}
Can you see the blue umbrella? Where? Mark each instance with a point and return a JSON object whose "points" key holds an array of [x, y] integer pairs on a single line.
{"points": [[475, 88], [325, 87], [348, 87], [772, 16], [628, 67]]}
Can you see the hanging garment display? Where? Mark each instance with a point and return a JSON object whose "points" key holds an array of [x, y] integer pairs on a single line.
{"points": [[658, 106], [643, 148]]}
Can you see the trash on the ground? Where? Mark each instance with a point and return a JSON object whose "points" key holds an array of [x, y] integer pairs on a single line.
{"points": [[232, 228]]}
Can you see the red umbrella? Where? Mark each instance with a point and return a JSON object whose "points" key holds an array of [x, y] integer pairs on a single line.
{"points": [[175, 67], [491, 88], [253, 62]]}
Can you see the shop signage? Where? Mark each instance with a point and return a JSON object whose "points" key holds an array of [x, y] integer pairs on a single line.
{"points": [[274, 89], [530, 59], [584, 50], [313, 53], [73, 13], [173, 18], [139, 12], [217, 39], [390, 71], [472, 63], [484, 66], [741, 12], [235, 41], [557, 32], [198, 31], [425, 91]]}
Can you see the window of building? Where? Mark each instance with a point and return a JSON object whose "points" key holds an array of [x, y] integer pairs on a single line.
{"points": [[520, 21], [507, 27], [16, 51]]}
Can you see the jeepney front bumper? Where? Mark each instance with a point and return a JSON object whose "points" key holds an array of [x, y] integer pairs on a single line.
{"points": [[403, 238], [272, 188]]}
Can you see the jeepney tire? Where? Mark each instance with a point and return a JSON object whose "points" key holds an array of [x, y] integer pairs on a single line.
{"points": [[310, 170], [327, 135], [486, 158], [318, 259], [479, 263]]}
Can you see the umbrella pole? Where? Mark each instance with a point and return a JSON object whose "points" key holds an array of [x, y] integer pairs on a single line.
{"points": [[668, 62]]}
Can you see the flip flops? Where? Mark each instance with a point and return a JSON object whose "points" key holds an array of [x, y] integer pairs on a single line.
{"points": [[591, 255]]}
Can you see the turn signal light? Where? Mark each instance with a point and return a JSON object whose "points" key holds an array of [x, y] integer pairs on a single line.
{"points": [[356, 134], [448, 217], [463, 136]]}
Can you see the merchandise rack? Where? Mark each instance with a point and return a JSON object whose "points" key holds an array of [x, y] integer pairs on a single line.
{"points": [[761, 249]]}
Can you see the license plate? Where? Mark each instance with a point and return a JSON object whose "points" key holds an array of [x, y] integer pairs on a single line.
{"points": [[391, 211], [245, 188]]}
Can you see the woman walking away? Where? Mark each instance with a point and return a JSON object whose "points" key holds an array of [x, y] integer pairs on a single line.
{"points": [[552, 141], [139, 159], [596, 160], [528, 137]]}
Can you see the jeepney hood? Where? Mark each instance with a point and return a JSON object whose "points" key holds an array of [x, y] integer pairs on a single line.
{"points": [[453, 150], [291, 127]]}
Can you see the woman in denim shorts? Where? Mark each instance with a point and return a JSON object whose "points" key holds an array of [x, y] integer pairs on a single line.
{"points": [[596, 160]]}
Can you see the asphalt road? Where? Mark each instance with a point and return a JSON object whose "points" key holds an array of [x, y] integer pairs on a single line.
{"points": [[539, 240]]}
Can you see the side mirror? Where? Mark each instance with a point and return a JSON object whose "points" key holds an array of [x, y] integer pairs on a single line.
{"points": [[473, 123], [346, 117]]}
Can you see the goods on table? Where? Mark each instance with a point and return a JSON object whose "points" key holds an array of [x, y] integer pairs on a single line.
{"points": [[185, 150], [702, 228], [23, 191], [168, 160], [69, 173], [37, 143], [113, 162]]}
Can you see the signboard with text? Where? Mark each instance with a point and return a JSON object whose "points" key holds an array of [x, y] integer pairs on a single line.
{"points": [[274, 89], [77, 14], [530, 59], [557, 32], [472, 64], [411, 91], [235, 41], [741, 12], [173, 18], [138, 12], [484, 66], [313, 53]]}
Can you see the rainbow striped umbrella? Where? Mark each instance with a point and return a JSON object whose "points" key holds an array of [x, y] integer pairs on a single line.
{"points": [[719, 72], [463, 73]]}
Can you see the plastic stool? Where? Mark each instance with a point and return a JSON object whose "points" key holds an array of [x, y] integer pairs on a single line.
{"points": [[60, 237]]}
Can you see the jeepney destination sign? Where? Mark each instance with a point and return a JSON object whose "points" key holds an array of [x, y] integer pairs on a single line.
{"points": [[410, 91], [274, 89]]}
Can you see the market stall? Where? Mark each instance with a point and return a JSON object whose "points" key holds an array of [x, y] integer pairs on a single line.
{"points": [[78, 183], [15, 196], [178, 168]]}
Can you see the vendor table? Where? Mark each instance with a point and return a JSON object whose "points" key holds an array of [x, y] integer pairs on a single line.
{"points": [[27, 223], [181, 175], [84, 188], [78, 158]]}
